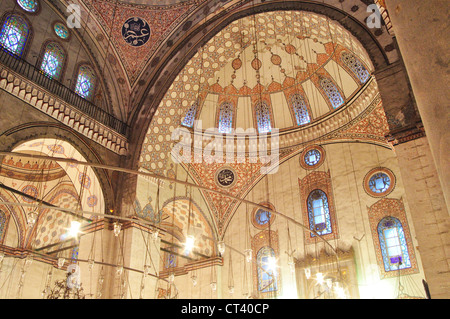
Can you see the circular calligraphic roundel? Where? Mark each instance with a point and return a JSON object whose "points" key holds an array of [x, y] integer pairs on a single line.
{"points": [[136, 31], [225, 177]]}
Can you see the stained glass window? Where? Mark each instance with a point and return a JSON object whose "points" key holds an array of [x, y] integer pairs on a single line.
{"points": [[262, 217], [379, 183], [262, 113], [85, 82], [319, 213], [61, 30], [171, 259], [226, 118], [393, 244], [312, 157], [267, 272], [332, 92], [190, 115], [356, 66], [53, 60], [14, 34], [28, 5], [300, 109]]}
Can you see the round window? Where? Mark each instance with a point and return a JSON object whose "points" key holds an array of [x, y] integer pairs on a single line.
{"points": [[379, 182], [312, 157], [262, 218], [61, 30], [28, 5]]}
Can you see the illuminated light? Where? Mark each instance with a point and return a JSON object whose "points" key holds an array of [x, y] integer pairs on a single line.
{"points": [[189, 245], [319, 278], [171, 278], [307, 273], [74, 229], [61, 262], [155, 235], [221, 247], [272, 263], [194, 280], [213, 286], [117, 228], [248, 255], [340, 292]]}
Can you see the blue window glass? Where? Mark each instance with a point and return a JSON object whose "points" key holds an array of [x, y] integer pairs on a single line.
{"points": [[267, 272], [14, 34], [262, 113], [85, 82], [53, 60], [356, 66], [379, 183], [393, 244], [28, 5], [332, 92], [300, 110], [262, 217], [171, 259], [312, 157], [61, 30], [226, 118], [319, 213], [190, 115]]}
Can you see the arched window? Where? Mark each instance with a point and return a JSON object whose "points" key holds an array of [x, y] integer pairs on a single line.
{"points": [[14, 34], [356, 66], [262, 114], [85, 84], [266, 270], [300, 110], [53, 60], [190, 115], [393, 244], [28, 5], [318, 212], [332, 92], [171, 258], [226, 117]]}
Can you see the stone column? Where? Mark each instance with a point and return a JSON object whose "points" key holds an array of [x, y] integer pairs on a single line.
{"points": [[421, 29]]}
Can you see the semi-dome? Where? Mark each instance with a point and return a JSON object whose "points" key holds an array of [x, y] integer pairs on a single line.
{"points": [[281, 69]]}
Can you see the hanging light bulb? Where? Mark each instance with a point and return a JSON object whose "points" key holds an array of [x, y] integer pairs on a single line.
{"points": [[248, 255], [189, 245], [147, 269], [194, 280], [91, 264], [291, 264], [117, 228], [119, 270], [231, 290], [272, 263], [307, 273], [74, 229], [171, 278], [340, 292], [31, 220], [155, 235], [213, 286], [221, 247], [61, 262], [2, 255], [319, 277]]}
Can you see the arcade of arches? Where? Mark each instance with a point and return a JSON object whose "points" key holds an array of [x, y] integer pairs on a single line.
{"points": [[204, 149]]}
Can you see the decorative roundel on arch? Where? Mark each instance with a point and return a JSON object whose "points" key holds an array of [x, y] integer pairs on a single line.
{"points": [[312, 157], [262, 218], [226, 177], [136, 31], [379, 182]]}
